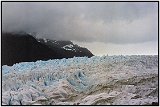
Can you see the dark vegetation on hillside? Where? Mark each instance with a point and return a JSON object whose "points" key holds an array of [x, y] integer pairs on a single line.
{"points": [[17, 47]]}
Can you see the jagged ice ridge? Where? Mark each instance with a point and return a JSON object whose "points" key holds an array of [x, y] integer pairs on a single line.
{"points": [[106, 80]]}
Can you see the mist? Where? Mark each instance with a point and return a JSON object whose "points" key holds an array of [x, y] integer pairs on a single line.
{"points": [[105, 22]]}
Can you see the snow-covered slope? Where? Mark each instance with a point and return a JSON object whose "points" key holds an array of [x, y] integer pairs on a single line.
{"points": [[106, 80], [65, 45], [27, 48]]}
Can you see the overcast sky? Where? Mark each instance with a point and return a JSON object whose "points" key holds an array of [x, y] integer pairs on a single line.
{"points": [[102, 27]]}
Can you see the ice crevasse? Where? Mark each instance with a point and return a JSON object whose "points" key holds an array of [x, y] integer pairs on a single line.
{"points": [[106, 80]]}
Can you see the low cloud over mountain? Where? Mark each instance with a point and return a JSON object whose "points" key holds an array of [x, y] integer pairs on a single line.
{"points": [[108, 22]]}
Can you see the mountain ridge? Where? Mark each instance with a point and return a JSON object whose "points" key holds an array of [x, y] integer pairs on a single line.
{"points": [[23, 47]]}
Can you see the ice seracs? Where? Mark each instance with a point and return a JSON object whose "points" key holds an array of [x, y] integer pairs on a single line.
{"points": [[106, 80]]}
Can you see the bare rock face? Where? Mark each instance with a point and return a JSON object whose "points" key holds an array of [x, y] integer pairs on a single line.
{"points": [[107, 80], [22, 47]]}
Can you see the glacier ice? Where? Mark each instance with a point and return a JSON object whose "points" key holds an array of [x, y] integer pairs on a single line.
{"points": [[106, 80]]}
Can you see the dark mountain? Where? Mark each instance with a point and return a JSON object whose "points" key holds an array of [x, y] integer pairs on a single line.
{"points": [[22, 47]]}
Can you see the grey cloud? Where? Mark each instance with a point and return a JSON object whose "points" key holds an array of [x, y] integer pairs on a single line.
{"points": [[121, 22]]}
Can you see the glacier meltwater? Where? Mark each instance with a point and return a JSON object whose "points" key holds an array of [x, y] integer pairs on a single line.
{"points": [[106, 80]]}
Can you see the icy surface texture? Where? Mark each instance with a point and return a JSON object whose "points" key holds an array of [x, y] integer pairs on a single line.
{"points": [[106, 80]]}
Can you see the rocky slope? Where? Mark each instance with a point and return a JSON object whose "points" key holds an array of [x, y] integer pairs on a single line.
{"points": [[107, 80], [22, 47]]}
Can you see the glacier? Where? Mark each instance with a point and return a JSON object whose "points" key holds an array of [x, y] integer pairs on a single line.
{"points": [[105, 80]]}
